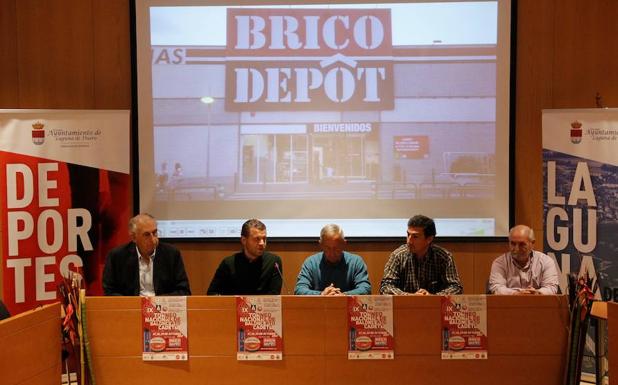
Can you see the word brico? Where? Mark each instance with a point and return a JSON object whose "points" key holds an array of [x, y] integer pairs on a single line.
{"points": [[309, 59]]}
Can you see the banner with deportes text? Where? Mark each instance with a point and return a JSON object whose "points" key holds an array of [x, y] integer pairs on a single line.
{"points": [[65, 198]]}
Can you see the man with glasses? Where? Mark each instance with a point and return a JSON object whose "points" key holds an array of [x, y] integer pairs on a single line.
{"points": [[523, 270], [145, 266]]}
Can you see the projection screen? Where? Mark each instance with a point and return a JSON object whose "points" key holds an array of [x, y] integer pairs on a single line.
{"points": [[361, 114]]}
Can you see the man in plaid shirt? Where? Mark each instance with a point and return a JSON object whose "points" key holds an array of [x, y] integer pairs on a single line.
{"points": [[420, 267]]}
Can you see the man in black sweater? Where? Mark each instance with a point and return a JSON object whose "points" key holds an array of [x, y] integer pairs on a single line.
{"points": [[250, 271]]}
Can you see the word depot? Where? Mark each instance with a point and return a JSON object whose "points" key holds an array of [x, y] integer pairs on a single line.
{"points": [[309, 59]]}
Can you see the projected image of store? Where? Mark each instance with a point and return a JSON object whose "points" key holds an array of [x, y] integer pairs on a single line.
{"points": [[419, 148], [317, 112]]}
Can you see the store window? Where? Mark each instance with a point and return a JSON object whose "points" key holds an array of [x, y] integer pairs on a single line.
{"points": [[338, 156], [274, 158]]}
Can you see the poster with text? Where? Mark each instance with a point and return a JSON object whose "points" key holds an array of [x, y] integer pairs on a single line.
{"points": [[580, 191], [164, 325], [65, 199], [370, 328], [259, 328], [464, 327], [580, 166]]}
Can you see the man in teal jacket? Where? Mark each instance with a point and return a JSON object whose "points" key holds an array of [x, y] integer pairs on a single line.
{"points": [[333, 271]]}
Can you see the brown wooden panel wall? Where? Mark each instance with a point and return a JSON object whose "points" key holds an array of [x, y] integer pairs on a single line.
{"points": [[527, 341], [75, 54], [30, 352]]}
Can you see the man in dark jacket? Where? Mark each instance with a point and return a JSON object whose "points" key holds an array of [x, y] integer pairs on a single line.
{"points": [[250, 271], [145, 266]]}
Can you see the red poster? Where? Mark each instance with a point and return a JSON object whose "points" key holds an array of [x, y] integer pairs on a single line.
{"points": [[411, 147], [464, 327], [64, 199], [164, 325], [370, 325], [259, 328]]}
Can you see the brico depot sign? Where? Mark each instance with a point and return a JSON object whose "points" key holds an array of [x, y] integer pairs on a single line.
{"points": [[309, 59]]}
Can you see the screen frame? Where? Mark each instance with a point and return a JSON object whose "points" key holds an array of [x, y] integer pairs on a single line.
{"points": [[135, 154]]}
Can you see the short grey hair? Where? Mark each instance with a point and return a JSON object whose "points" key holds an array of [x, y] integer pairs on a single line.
{"points": [[331, 230], [528, 230], [136, 219]]}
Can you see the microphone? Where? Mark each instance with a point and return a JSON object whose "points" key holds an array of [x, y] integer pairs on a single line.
{"points": [[285, 287]]}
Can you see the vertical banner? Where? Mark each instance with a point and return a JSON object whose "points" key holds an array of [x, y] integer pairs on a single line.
{"points": [[259, 328], [580, 164], [164, 325], [370, 327], [64, 199], [464, 327]]}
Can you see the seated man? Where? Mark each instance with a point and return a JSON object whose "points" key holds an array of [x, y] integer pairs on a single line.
{"points": [[145, 266], [250, 271], [420, 267], [333, 271], [523, 270]]}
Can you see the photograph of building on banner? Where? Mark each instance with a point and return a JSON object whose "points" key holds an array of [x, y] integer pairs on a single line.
{"points": [[259, 328], [66, 201], [164, 325], [370, 328], [464, 327], [580, 190], [580, 166]]}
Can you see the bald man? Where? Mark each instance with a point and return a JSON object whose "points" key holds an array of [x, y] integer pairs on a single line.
{"points": [[523, 270]]}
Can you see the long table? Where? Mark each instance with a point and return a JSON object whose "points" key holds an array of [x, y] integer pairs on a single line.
{"points": [[527, 344]]}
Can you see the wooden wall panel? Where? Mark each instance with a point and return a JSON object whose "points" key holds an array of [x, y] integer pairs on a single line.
{"points": [[9, 90], [112, 54], [55, 54], [586, 54], [484, 255], [535, 60]]}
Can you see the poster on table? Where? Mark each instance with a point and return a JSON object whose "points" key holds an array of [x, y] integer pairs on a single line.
{"points": [[464, 327], [370, 327], [259, 328], [64, 199], [164, 325]]}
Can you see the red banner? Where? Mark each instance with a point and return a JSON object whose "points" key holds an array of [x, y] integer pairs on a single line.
{"points": [[57, 216]]}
